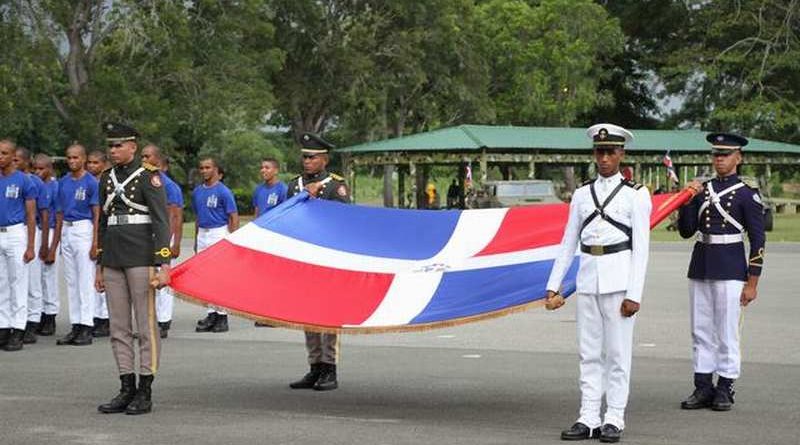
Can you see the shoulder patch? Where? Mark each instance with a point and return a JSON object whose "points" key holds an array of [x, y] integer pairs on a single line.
{"points": [[632, 184], [149, 167], [336, 177]]}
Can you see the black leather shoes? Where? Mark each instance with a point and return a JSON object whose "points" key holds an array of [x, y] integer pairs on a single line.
{"points": [[308, 380], [5, 333], [14, 340], [84, 337], [579, 431], [101, 328], [47, 326], [70, 337], [221, 325], [121, 401], [327, 378], [31, 328], [610, 433], [700, 398], [206, 324]]}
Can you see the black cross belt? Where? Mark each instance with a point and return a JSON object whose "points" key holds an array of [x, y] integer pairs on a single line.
{"points": [[605, 250]]}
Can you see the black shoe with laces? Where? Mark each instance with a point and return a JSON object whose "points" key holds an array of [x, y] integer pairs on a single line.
{"points": [[579, 431], [610, 433]]}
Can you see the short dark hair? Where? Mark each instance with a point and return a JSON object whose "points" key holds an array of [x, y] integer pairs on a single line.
{"points": [[213, 161], [100, 154], [24, 153], [156, 151], [275, 163]]}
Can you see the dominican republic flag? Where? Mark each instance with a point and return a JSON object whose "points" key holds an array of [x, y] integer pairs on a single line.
{"points": [[671, 174], [331, 267]]}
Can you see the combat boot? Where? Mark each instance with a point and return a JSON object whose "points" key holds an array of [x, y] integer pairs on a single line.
{"points": [[84, 337], [141, 403], [308, 380], [4, 334], [221, 325], [703, 392], [101, 327], [723, 397], [48, 325], [206, 324], [327, 379], [14, 340], [163, 328], [70, 337], [121, 401], [30, 332]]}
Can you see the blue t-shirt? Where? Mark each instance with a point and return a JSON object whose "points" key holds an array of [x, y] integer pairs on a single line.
{"points": [[42, 197], [51, 189], [174, 193], [212, 205], [266, 197], [15, 189], [76, 197]]}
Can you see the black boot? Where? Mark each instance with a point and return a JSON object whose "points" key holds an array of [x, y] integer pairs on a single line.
{"points": [[703, 392], [84, 337], [14, 340], [308, 380], [124, 398], [610, 433], [141, 403], [48, 325], [30, 332], [327, 379], [163, 328], [206, 324], [4, 334], [221, 324], [101, 327], [723, 396], [69, 338]]}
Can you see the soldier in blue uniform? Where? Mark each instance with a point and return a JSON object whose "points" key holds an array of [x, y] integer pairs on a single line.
{"points": [[323, 349], [722, 279]]}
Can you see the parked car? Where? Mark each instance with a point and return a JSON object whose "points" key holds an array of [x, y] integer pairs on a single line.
{"points": [[495, 194]]}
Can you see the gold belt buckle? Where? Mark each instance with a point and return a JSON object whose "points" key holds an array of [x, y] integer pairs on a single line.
{"points": [[596, 250]]}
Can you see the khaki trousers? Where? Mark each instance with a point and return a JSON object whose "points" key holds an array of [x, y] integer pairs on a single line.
{"points": [[125, 289], [322, 348]]}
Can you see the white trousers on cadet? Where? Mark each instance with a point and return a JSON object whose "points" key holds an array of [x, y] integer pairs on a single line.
{"points": [[35, 288], [50, 299], [716, 309], [13, 277], [79, 271], [605, 340], [205, 239], [165, 302], [100, 305]]}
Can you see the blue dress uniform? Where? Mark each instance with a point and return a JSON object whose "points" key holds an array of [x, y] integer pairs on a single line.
{"points": [[720, 217], [323, 349]]}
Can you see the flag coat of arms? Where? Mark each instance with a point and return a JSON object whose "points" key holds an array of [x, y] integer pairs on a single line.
{"points": [[330, 267]]}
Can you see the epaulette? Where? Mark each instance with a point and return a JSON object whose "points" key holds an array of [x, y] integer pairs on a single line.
{"points": [[632, 184], [587, 182], [149, 167], [295, 178], [336, 177]]}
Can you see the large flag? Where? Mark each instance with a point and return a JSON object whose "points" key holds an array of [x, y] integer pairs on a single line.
{"points": [[331, 267]]}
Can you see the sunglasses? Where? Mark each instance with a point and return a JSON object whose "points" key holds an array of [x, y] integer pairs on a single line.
{"points": [[115, 145]]}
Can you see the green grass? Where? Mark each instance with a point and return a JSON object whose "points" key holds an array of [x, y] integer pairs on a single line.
{"points": [[786, 229]]}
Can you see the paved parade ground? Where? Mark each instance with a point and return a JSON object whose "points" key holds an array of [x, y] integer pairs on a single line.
{"points": [[511, 380]]}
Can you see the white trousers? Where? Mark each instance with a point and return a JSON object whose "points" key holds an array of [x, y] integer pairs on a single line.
{"points": [[35, 289], [205, 239], [100, 305], [605, 340], [165, 302], [716, 309], [13, 277], [79, 270], [51, 302]]}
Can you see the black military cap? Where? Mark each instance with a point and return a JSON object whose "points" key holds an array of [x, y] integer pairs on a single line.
{"points": [[119, 132], [314, 144], [725, 142]]}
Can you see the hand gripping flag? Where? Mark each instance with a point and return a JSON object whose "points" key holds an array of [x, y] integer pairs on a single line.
{"points": [[330, 267]]}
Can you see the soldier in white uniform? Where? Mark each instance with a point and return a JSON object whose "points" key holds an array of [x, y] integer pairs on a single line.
{"points": [[609, 219]]}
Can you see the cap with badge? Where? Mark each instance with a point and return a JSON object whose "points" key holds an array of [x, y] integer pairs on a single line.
{"points": [[313, 144], [609, 135], [723, 143], [116, 132]]}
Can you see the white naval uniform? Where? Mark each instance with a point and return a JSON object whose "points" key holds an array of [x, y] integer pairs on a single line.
{"points": [[605, 337], [165, 301]]}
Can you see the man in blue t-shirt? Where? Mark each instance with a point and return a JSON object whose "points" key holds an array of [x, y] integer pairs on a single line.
{"points": [[272, 191], [165, 301], [17, 236], [96, 164], [43, 168], [77, 212], [215, 208], [23, 162]]}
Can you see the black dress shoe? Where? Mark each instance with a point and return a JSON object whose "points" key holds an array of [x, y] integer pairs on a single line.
{"points": [[4, 334], [47, 327], [70, 337], [29, 337], [221, 325], [308, 380], [102, 327], [14, 340], [206, 324], [610, 433], [700, 398], [327, 378], [84, 337], [723, 400], [579, 431]]}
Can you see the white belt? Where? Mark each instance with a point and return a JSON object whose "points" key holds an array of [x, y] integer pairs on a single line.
{"points": [[212, 229], [118, 220], [733, 238], [78, 223], [11, 228]]}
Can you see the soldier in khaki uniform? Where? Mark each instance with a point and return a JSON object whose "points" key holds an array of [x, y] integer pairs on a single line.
{"points": [[319, 183], [133, 241]]}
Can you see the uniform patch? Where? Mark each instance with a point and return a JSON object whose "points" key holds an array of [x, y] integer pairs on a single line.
{"points": [[757, 198], [155, 180], [342, 190]]}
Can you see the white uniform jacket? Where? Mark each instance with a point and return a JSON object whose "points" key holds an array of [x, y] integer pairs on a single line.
{"points": [[615, 272]]}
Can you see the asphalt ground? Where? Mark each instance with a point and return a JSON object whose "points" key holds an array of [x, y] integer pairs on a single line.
{"points": [[511, 380]]}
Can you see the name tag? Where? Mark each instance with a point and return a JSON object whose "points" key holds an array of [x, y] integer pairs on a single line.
{"points": [[80, 194], [272, 199], [12, 191], [211, 202]]}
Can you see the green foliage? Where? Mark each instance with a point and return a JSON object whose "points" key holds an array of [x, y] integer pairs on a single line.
{"points": [[239, 153]]}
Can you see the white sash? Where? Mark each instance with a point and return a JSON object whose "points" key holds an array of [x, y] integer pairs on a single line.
{"points": [[714, 198], [119, 190]]}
